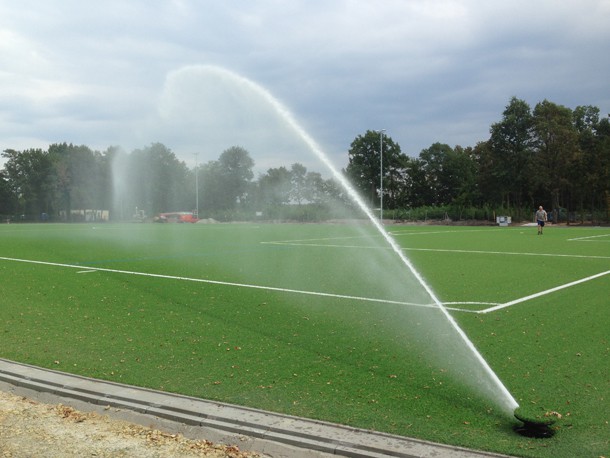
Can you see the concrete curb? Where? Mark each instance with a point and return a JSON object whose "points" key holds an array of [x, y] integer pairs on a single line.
{"points": [[269, 433]]}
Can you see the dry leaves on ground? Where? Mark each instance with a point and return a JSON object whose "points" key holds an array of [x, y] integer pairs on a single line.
{"points": [[29, 428]]}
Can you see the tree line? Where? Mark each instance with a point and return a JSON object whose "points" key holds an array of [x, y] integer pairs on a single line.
{"points": [[551, 155], [62, 182]]}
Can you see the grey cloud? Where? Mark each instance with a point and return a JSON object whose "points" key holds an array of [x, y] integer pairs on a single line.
{"points": [[100, 73]]}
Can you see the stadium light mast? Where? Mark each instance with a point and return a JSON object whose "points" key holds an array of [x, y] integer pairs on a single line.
{"points": [[196, 186], [381, 131]]}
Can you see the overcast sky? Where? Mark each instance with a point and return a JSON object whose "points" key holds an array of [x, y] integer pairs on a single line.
{"points": [[201, 76]]}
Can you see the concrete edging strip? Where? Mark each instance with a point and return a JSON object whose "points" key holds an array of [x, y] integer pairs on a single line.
{"points": [[261, 431]]}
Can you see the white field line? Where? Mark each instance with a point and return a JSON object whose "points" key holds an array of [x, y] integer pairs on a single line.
{"points": [[456, 231], [544, 293], [324, 245], [84, 269], [511, 253], [495, 305], [321, 239], [588, 239], [469, 303], [307, 242], [441, 250], [351, 237]]}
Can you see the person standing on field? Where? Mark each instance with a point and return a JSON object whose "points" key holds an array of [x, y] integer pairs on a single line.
{"points": [[540, 219]]}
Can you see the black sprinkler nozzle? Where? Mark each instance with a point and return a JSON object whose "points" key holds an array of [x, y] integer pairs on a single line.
{"points": [[534, 427]]}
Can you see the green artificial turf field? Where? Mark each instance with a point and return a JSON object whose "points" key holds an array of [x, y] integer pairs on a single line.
{"points": [[326, 321]]}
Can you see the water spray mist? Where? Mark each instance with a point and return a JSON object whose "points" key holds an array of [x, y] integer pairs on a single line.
{"points": [[508, 402]]}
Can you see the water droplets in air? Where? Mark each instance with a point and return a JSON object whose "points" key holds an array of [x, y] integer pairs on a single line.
{"points": [[207, 109]]}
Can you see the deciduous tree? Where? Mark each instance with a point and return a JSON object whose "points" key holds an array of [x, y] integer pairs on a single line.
{"points": [[557, 150], [511, 149], [364, 163]]}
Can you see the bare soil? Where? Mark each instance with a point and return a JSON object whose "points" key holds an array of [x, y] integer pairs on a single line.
{"points": [[29, 428]]}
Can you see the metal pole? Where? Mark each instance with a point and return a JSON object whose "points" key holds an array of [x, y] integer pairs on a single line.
{"points": [[381, 175], [196, 186]]}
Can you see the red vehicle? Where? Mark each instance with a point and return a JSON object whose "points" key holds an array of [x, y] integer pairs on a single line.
{"points": [[176, 217]]}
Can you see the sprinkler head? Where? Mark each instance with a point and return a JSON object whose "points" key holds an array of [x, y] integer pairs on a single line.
{"points": [[534, 427]]}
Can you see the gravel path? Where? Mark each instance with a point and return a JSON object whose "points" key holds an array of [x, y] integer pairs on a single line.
{"points": [[29, 429]]}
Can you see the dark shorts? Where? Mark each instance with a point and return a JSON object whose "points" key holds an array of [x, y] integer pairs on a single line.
{"points": [[540, 223]]}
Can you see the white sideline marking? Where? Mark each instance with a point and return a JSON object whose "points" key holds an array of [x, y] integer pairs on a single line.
{"points": [[495, 305], [470, 302], [588, 239], [543, 293], [325, 245], [512, 253], [217, 282], [296, 242], [456, 231], [315, 293], [440, 250]]}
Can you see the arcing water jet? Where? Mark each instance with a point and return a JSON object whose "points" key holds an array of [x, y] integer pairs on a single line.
{"points": [[506, 400]]}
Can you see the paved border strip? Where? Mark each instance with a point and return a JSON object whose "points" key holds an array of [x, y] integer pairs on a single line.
{"points": [[265, 432]]}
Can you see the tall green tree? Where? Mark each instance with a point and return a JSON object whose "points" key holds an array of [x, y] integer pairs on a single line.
{"points": [[489, 193], [511, 144], [365, 162], [298, 174], [78, 177], [590, 175], [417, 192], [441, 176], [29, 176], [435, 164], [236, 166], [320, 191], [157, 181], [7, 198], [395, 182], [462, 169], [210, 188], [227, 182], [557, 151], [274, 187], [442, 166], [603, 167]]}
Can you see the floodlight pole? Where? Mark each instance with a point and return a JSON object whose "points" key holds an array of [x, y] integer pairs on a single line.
{"points": [[381, 174], [196, 186]]}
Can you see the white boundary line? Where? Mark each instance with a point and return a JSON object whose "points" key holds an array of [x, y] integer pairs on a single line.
{"points": [[544, 293], [587, 239], [85, 269], [325, 245], [455, 231], [511, 253], [495, 306], [440, 250]]}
